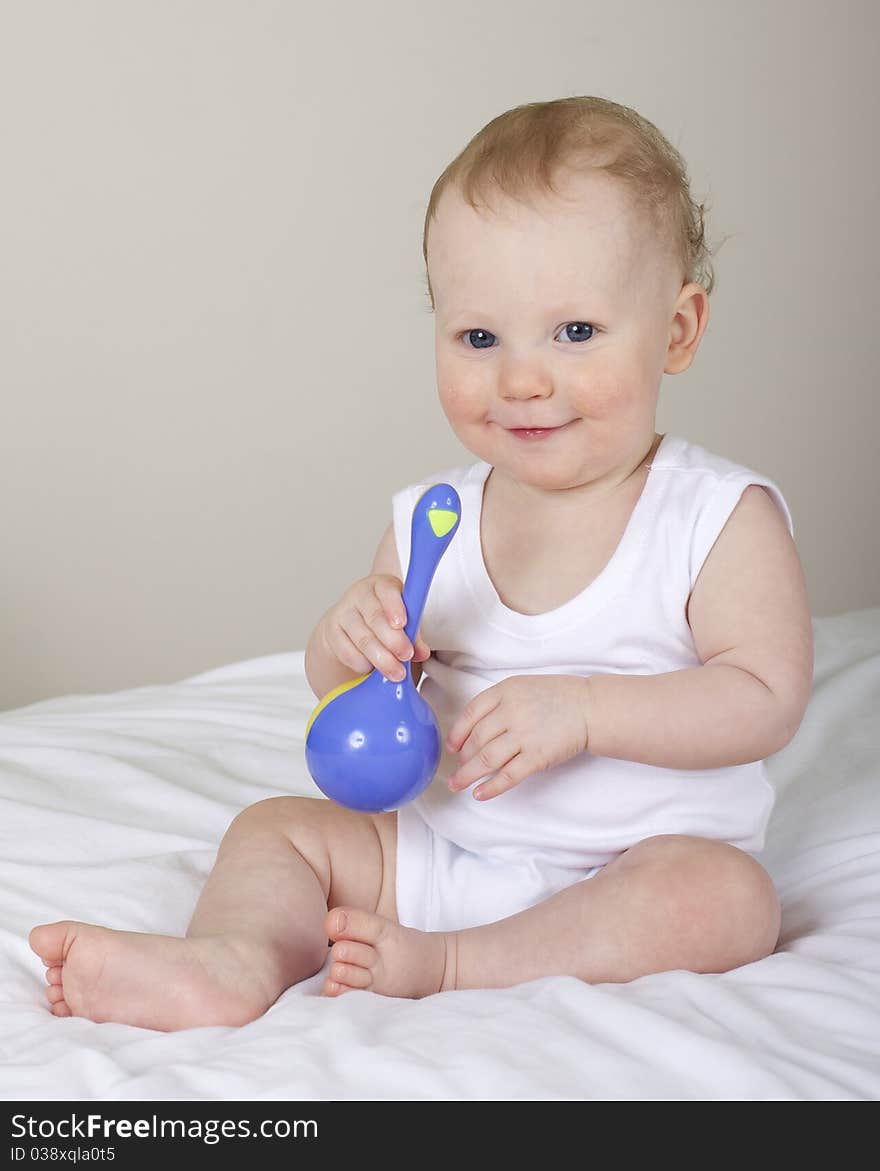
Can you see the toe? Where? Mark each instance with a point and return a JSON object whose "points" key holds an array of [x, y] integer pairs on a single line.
{"points": [[350, 975], [334, 988], [53, 975], [48, 941], [54, 993], [355, 924], [61, 1009], [349, 951]]}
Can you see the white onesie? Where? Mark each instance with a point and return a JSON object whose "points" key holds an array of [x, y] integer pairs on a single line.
{"points": [[461, 862]]}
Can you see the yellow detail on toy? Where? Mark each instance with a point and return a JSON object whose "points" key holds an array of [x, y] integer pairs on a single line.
{"points": [[441, 520], [332, 695]]}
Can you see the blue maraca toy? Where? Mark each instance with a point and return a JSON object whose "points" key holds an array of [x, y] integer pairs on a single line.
{"points": [[372, 744]]}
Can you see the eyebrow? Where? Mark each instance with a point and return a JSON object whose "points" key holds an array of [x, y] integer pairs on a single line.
{"points": [[595, 315], [560, 311]]}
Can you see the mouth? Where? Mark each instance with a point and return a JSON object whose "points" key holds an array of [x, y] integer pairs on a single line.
{"points": [[533, 433]]}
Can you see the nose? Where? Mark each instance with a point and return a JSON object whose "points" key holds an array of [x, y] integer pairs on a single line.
{"points": [[523, 380]]}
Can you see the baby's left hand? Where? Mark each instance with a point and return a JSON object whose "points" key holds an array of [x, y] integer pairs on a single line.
{"points": [[518, 727]]}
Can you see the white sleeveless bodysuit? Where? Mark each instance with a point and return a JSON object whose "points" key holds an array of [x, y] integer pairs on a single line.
{"points": [[462, 862]]}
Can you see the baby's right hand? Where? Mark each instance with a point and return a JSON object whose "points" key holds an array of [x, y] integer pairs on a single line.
{"points": [[365, 628]]}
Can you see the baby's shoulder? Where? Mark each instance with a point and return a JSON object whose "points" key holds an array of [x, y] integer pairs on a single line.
{"points": [[706, 486], [679, 454]]}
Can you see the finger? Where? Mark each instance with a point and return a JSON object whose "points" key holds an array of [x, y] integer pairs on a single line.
{"points": [[478, 707], [491, 757], [374, 651], [381, 609], [340, 644], [482, 733], [387, 590], [393, 616], [513, 773]]}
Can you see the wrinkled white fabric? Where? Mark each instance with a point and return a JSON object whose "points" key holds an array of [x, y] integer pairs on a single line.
{"points": [[112, 810]]}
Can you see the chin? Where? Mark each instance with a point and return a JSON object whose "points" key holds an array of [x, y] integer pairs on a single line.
{"points": [[548, 472], [549, 479]]}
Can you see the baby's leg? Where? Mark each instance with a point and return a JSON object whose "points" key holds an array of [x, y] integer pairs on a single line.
{"points": [[258, 926], [670, 902]]}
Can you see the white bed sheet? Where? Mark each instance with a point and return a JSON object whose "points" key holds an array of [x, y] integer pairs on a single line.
{"points": [[112, 810]]}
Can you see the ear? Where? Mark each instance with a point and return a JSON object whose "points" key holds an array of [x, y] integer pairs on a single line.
{"points": [[689, 320]]}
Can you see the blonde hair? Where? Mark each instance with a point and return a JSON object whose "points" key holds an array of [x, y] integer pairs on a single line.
{"points": [[520, 151]]}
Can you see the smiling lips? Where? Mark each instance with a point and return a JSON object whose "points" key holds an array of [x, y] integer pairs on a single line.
{"points": [[535, 432]]}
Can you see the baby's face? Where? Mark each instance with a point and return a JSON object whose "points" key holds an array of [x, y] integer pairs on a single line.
{"points": [[559, 318]]}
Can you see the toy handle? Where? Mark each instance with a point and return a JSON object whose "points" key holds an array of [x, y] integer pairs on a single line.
{"points": [[434, 524]]}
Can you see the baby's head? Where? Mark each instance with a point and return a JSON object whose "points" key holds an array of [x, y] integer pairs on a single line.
{"points": [[568, 271]]}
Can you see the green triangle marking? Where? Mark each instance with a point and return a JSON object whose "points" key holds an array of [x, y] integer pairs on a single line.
{"points": [[442, 520]]}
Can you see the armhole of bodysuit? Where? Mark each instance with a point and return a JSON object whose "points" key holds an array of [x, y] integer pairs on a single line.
{"points": [[716, 513]]}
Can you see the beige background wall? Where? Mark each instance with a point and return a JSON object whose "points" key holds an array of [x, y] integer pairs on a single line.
{"points": [[215, 346]]}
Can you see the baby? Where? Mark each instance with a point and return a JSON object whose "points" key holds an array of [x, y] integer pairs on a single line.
{"points": [[617, 637]]}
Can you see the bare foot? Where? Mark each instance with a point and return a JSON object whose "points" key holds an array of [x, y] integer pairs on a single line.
{"points": [[375, 953], [153, 981]]}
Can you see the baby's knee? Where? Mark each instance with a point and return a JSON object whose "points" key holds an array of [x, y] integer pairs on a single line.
{"points": [[721, 892], [273, 815], [758, 902], [748, 896]]}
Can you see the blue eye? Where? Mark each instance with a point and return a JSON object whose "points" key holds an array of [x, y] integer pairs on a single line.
{"points": [[581, 337], [575, 331], [471, 333]]}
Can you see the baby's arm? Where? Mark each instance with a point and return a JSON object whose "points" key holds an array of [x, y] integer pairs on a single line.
{"points": [[750, 619]]}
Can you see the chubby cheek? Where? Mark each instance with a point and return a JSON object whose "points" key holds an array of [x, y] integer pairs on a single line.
{"points": [[612, 395], [463, 402]]}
